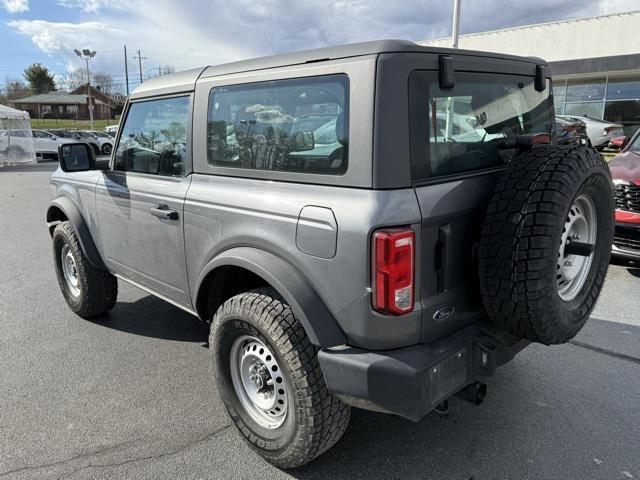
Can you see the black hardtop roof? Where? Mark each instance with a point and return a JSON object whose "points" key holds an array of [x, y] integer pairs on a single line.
{"points": [[186, 80]]}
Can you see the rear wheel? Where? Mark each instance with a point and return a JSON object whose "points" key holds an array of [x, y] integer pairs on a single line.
{"points": [[106, 149], [546, 242], [87, 290], [270, 381]]}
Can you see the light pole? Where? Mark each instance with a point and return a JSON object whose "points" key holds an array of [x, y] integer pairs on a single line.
{"points": [[87, 55], [455, 27]]}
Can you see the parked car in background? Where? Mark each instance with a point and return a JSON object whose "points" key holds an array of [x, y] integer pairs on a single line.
{"points": [[618, 143], [104, 140], [111, 130], [15, 145], [46, 143], [625, 171], [43, 143], [78, 137], [571, 132], [600, 132]]}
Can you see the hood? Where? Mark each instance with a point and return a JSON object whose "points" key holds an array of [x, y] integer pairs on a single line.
{"points": [[626, 166]]}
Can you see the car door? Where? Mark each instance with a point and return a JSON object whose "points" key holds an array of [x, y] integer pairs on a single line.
{"points": [[140, 200], [45, 142]]}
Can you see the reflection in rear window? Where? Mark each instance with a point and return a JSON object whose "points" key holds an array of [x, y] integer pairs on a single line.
{"points": [[298, 125], [473, 125]]}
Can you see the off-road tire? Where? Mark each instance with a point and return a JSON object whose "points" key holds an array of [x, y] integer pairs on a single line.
{"points": [[316, 419], [98, 288], [521, 236]]}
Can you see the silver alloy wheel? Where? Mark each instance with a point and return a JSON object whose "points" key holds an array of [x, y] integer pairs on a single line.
{"points": [[70, 270], [581, 226], [258, 381]]}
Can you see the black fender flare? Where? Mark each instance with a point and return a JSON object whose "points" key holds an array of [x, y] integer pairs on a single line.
{"points": [[317, 320], [72, 213]]}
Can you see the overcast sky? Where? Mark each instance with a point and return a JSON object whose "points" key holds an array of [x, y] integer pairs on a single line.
{"points": [[187, 33]]}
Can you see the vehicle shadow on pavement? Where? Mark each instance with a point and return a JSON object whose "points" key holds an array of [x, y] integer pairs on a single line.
{"points": [[151, 317]]}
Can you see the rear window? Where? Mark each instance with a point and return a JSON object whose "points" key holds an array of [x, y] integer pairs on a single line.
{"points": [[472, 126], [298, 125]]}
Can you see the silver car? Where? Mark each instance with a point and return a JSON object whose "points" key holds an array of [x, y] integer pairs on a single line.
{"points": [[378, 225]]}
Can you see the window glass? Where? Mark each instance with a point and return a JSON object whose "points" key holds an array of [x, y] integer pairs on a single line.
{"points": [[623, 88], [154, 137], [584, 109], [298, 125], [625, 112], [559, 92], [585, 89], [473, 125]]}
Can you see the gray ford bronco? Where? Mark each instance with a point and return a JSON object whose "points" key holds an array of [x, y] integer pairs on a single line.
{"points": [[378, 225]]}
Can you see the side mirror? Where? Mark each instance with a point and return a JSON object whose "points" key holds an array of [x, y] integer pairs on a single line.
{"points": [[76, 157], [303, 141]]}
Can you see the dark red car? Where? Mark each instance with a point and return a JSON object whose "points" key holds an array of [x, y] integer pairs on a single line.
{"points": [[625, 170]]}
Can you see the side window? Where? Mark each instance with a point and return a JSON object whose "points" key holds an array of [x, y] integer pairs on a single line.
{"points": [[154, 137], [296, 125]]}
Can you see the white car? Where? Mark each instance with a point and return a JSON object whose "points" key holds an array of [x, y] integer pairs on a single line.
{"points": [[104, 139], [47, 144], [16, 146], [111, 130], [600, 132]]}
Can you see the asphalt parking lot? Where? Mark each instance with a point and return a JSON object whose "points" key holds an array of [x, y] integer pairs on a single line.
{"points": [[132, 396]]}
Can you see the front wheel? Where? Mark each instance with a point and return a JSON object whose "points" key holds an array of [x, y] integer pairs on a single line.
{"points": [[88, 290], [270, 381], [106, 149]]}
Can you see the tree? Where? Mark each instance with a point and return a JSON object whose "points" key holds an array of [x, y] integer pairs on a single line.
{"points": [[104, 81], [74, 79], [39, 78], [13, 90]]}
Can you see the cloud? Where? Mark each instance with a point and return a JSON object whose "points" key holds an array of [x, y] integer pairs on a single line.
{"points": [[15, 6], [89, 6], [189, 33], [52, 37]]}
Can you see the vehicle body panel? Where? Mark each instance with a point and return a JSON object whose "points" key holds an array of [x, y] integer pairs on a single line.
{"points": [[221, 209], [137, 245], [625, 171]]}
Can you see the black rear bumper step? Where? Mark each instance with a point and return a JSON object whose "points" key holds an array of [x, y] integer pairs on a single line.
{"points": [[411, 381]]}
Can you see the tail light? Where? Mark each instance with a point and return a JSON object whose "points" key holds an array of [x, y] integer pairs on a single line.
{"points": [[393, 254]]}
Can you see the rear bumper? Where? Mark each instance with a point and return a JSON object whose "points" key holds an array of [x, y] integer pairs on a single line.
{"points": [[411, 381]]}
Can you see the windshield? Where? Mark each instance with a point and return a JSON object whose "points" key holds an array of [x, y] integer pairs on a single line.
{"points": [[634, 145], [473, 125]]}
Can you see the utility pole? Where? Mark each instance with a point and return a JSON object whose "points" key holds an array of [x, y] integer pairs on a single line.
{"points": [[87, 55], [139, 57], [126, 69], [455, 28], [159, 71]]}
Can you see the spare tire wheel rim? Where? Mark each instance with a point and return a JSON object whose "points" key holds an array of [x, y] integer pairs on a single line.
{"points": [[258, 382], [580, 226], [70, 270]]}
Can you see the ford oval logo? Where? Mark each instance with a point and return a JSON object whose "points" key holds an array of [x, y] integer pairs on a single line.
{"points": [[444, 312]]}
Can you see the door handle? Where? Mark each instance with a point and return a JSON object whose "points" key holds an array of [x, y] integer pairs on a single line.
{"points": [[163, 211]]}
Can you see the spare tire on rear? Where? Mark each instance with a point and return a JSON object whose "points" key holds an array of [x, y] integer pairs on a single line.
{"points": [[546, 242]]}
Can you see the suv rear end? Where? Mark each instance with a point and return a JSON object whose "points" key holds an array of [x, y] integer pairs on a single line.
{"points": [[449, 144]]}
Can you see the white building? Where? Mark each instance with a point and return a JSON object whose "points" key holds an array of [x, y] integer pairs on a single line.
{"points": [[595, 62]]}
